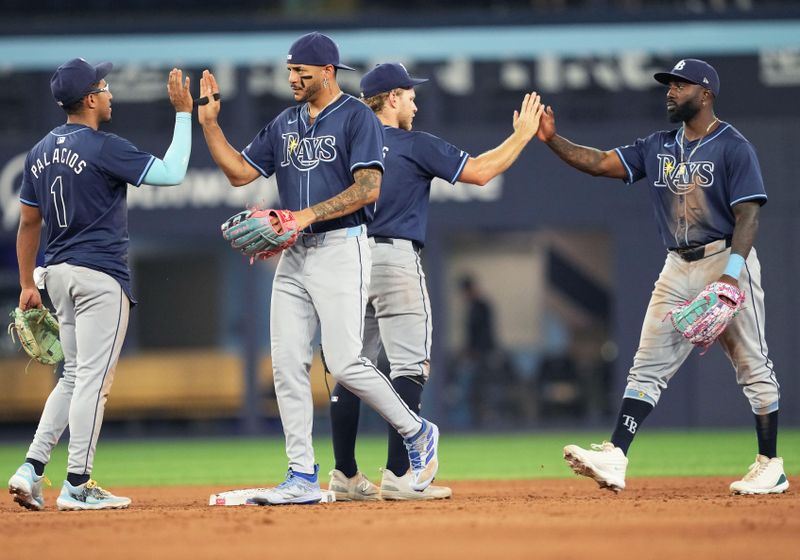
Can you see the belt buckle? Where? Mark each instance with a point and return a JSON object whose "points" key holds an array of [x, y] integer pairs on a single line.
{"points": [[311, 240], [695, 254]]}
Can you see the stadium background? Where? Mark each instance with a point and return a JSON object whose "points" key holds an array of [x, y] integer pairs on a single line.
{"points": [[567, 262]]}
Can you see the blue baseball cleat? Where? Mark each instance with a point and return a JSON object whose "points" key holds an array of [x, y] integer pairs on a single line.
{"points": [[296, 489], [423, 455]]}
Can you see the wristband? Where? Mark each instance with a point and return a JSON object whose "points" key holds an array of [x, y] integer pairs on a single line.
{"points": [[734, 268]]}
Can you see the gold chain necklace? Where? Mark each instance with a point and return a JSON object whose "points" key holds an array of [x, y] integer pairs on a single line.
{"points": [[699, 141]]}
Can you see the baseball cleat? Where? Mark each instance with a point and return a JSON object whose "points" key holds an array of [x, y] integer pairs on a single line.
{"points": [[89, 496], [765, 476], [356, 488], [294, 490], [26, 487], [423, 455], [604, 463], [395, 487]]}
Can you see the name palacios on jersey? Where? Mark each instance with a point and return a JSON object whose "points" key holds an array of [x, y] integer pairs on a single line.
{"points": [[64, 156], [306, 153], [683, 177]]}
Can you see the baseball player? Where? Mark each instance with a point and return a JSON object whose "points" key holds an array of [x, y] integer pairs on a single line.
{"points": [[399, 311], [76, 180], [706, 186], [326, 154]]}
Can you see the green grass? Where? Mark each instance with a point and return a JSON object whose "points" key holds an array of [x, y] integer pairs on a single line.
{"points": [[463, 457]]}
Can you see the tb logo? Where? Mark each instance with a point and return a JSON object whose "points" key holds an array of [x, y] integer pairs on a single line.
{"points": [[630, 423], [305, 154]]}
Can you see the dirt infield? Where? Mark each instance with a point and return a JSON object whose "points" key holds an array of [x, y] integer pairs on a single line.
{"points": [[653, 518]]}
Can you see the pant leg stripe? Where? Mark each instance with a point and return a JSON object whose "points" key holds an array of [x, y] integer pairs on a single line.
{"points": [[103, 381], [758, 330], [425, 310]]}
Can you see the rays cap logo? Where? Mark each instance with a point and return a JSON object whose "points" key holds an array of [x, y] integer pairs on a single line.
{"points": [[315, 49], [75, 78], [386, 77], [694, 71]]}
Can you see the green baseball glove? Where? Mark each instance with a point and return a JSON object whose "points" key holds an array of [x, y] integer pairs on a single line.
{"points": [[37, 331], [703, 319]]}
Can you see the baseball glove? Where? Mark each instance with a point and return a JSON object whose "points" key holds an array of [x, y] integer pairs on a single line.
{"points": [[37, 331], [703, 319], [260, 234]]}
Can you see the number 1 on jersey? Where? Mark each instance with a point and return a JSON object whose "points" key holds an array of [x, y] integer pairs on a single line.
{"points": [[57, 190]]}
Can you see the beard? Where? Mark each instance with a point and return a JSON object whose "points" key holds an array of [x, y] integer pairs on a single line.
{"points": [[405, 124], [683, 113], [309, 92]]}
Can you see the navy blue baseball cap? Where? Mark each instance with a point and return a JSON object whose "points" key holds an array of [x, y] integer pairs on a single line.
{"points": [[73, 79], [693, 71], [386, 77], [315, 49]]}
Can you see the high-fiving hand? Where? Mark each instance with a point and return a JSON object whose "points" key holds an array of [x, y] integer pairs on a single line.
{"points": [[547, 127], [526, 120], [208, 105], [178, 90]]}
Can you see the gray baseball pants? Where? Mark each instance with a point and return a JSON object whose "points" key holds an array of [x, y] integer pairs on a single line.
{"points": [[92, 310], [323, 280], [662, 350], [399, 311]]}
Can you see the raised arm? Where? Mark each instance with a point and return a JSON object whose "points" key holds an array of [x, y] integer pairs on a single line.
{"points": [[236, 168], [482, 169], [28, 235], [171, 170], [583, 158], [364, 191]]}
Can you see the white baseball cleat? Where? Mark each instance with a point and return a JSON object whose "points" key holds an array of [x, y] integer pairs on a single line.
{"points": [[357, 488], [604, 463], [26, 487], [89, 496], [765, 476], [395, 487]]}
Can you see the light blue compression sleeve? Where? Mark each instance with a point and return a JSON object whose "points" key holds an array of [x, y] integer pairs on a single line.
{"points": [[172, 169], [734, 268]]}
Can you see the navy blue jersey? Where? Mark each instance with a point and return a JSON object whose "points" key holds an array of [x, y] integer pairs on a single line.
{"points": [[313, 163], [695, 184], [78, 178], [412, 160]]}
